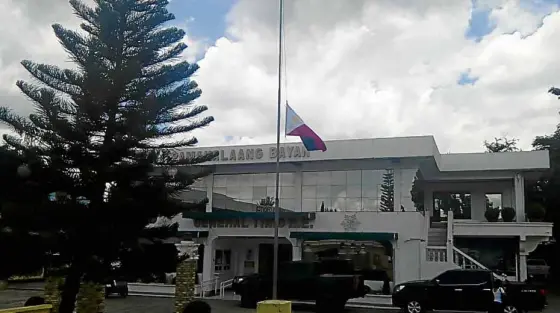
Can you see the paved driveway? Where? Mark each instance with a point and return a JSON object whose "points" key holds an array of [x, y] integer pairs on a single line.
{"points": [[134, 304]]}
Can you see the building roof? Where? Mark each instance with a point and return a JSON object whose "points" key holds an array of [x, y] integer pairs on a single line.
{"points": [[396, 148]]}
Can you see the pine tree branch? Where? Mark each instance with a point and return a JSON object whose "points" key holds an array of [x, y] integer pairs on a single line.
{"points": [[65, 81]]}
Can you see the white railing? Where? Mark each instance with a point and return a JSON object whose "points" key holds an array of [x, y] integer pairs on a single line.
{"points": [[223, 285], [436, 254], [465, 261], [208, 285]]}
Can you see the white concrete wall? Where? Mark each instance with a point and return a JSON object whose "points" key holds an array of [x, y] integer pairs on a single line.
{"points": [[477, 189], [410, 227]]}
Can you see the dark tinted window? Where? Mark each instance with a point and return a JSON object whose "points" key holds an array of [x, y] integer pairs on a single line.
{"points": [[475, 277], [449, 277]]}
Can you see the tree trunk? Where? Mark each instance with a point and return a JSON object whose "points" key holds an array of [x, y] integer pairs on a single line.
{"points": [[70, 289]]}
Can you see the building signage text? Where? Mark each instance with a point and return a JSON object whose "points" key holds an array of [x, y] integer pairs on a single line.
{"points": [[249, 223], [249, 154]]}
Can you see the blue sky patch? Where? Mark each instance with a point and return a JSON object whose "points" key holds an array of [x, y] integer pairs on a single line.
{"points": [[205, 19], [480, 24], [466, 79]]}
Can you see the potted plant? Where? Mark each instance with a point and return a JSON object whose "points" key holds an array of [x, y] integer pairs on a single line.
{"points": [[492, 214], [535, 212], [508, 214]]}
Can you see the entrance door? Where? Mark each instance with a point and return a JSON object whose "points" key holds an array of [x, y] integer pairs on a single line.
{"points": [[266, 256]]}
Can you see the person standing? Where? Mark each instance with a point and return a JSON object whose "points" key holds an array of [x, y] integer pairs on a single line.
{"points": [[499, 294]]}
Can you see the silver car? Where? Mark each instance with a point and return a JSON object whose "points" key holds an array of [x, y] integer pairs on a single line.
{"points": [[537, 267]]}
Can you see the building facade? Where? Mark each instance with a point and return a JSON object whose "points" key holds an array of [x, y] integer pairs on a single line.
{"points": [[392, 205]]}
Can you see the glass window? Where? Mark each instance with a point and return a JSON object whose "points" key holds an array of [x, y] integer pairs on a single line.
{"points": [[259, 193], [309, 205], [245, 180], [323, 178], [309, 192], [222, 260], [287, 192], [219, 181], [260, 179], [287, 204], [348, 190], [354, 178], [354, 191], [286, 179], [232, 181], [493, 200], [338, 178], [354, 204], [246, 192], [449, 277], [339, 204], [309, 178], [458, 202], [242, 192], [338, 191], [369, 204], [323, 191]]}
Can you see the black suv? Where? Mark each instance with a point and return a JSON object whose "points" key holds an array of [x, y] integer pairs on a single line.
{"points": [[466, 290]]}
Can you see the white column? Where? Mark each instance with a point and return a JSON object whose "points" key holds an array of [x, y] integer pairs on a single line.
{"points": [[209, 191], [428, 201], [449, 244], [296, 250], [519, 191], [478, 205], [523, 266], [208, 264], [298, 181]]}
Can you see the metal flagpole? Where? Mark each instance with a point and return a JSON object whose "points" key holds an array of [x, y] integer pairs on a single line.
{"points": [[276, 196]]}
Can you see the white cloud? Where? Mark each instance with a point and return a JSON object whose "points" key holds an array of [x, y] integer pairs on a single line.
{"points": [[385, 68], [355, 68]]}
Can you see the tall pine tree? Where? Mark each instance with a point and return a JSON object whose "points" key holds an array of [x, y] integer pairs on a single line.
{"points": [[103, 138], [388, 191]]}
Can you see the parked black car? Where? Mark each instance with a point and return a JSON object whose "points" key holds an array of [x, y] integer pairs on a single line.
{"points": [[466, 290], [115, 286], [301, 280]]}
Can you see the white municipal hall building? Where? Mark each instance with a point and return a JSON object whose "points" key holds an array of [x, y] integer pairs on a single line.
{"points": [[391, 204]]}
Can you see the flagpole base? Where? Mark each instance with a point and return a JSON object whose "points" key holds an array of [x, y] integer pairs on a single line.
{"points": [[274, 306]]}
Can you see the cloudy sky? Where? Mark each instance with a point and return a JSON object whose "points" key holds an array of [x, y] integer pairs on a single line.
{"points": [[463, 71]]}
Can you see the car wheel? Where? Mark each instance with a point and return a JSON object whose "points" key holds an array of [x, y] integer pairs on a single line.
{"points": [[414, 306], [511, 309], [123, 294]]}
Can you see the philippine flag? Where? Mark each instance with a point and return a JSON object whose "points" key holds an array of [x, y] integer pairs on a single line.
{"points": [[296, 127]]}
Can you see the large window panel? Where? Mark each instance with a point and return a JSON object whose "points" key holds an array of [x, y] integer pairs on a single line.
{"points": [[245, 192], [219, 181], [338, 178], [259, 193], [323, 191], [354, 178], [309, 192], [338, 191], [309, 178], [354, 191], [323, 178], [309, 205], [350, 191], [339, 204], [287, 192], [287, 179]]}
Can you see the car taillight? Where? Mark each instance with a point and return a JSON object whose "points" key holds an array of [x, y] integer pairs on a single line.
{"points": [[542, 292]]}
